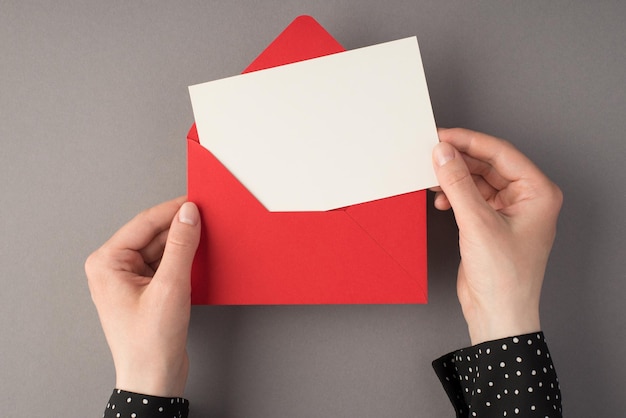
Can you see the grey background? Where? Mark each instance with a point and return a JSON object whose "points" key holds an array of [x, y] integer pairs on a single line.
{"points": [[93, 114]]}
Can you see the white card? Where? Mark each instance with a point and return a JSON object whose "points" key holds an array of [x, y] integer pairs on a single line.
{"points": [[325, 133]]}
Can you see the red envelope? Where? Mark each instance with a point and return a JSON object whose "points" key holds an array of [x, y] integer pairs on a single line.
{"points": [[370, 253]]}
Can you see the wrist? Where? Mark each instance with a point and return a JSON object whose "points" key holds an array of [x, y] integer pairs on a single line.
{"points": [[494, 325], [156, 381]]}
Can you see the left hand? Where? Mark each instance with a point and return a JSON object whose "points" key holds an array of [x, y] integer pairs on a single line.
{"points": [[506, 210], [140, 283]]}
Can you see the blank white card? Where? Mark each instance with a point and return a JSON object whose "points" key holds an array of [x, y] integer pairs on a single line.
{"points": [[324, 133]]}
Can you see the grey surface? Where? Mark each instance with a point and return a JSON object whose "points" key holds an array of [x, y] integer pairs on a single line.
{"points": [[93, 114]]}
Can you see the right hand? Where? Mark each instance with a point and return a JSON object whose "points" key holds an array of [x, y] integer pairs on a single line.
{"points": [[140, 283], [506, 210]]}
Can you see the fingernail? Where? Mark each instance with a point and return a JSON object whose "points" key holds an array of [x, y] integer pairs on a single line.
{"points": [[188, 214], [443, 153]]}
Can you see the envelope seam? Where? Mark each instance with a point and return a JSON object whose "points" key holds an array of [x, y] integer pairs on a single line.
{"points": [[387, 252]]}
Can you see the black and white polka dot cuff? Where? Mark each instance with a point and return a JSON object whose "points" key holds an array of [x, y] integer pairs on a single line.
{"points": [[506, 378], [123, 404]]}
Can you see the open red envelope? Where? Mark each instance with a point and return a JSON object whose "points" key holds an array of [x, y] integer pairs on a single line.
{"points": [[369, 253]]}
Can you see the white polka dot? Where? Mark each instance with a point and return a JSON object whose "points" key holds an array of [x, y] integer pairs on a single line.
{"points": [[128, 400], [518, 359], [530, 389], [516, 410], [504, 347], [145, 401], [502, 364], [160, 409], [515, 340], [519, 373], [133, 415]]}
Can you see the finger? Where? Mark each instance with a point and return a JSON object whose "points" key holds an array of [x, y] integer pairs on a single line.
{"points": [[441, 201], [509, 163], [458, 185], [486, 190], [486, 171], [144, 227], [180, 248], [153, 251], [486, 178]]}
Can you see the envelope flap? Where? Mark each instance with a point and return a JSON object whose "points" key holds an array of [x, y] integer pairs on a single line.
{"points": [[303, 39]]}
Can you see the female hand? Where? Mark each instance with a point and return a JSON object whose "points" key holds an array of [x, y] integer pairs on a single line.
{"points": [[140, 283], [506, 210]]}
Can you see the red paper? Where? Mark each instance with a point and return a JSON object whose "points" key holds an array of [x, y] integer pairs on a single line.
{"points": [[369, 253]]}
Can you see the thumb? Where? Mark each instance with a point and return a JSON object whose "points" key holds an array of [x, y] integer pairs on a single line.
{"points": [[180, 248], [458, 185]]}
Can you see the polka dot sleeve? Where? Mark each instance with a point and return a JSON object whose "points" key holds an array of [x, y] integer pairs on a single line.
{"points": [[502, 378], [124, 404]]}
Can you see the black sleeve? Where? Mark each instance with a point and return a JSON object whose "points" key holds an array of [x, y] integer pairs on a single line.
{"points": [[124, 404], [503, 378]]}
